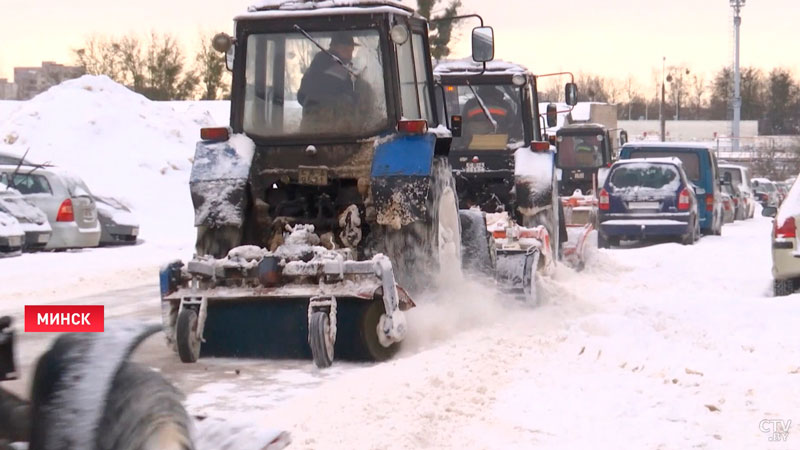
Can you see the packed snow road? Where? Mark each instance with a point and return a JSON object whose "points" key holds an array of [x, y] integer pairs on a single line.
{"points": [[663, 346]]}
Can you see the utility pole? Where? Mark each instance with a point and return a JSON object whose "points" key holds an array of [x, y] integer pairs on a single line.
{"points": [[661, 105], [737, 6]]}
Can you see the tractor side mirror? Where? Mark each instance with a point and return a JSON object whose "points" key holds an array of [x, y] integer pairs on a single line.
{"points": [[455, 126], [552, 115], [482, 44], [769, 211], [571, 94], [223, 43]]}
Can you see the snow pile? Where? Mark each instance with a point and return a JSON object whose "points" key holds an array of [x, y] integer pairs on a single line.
{"points": [[534, 167], [9, 226], [120, 143]]}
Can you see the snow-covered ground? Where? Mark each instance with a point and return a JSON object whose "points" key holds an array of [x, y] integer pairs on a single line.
{"points": [[663, 346]]}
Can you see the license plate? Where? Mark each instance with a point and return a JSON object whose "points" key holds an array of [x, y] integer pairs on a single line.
{"points": [[135, 232], [578, 175], [316, 176], [644, 205], [475, 167], [43, 238], [14, 241]]}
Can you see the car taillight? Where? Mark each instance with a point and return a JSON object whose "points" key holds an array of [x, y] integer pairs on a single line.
{"points": [[683, 200], [65, 213], [605, 201], [786, 230], [709, 202], [736, 201]]}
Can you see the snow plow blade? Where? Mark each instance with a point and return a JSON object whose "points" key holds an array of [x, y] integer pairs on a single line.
{"points": [[300, 301]]}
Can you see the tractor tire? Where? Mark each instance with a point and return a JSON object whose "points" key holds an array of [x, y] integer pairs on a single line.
{"points": [[370, 318], [186, 336], [425, 248], [478, 250], [14, 418], [783, 288], [143, 412], [319, 339], [217, 241]]}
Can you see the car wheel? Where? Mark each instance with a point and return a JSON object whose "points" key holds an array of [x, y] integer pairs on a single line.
{"points": [[783, 287], [602, 241]]}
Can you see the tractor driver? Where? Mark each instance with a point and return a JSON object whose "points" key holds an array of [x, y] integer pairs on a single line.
{"points": [[328, 90]]}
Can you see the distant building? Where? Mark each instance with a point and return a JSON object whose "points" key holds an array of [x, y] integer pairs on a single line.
{"points": [[31, 81], [8, 90]]}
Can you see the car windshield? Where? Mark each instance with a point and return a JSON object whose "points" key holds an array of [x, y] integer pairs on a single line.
{"points": [[653, 176], [492, 120], [580, 151], [690, 160], [295, 88]]}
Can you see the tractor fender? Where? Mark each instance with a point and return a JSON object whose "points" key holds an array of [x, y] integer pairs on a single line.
{"points": [[400, 178]]}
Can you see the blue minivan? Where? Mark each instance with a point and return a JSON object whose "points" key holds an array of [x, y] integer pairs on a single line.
{"points": [[700, 166]]}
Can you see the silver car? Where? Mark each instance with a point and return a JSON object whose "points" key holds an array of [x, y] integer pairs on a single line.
{"points": [[11, 235], [65, 199], [32, 220]]}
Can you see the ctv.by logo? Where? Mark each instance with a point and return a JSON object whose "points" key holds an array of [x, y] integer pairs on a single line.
{"points": [[778, 429]]}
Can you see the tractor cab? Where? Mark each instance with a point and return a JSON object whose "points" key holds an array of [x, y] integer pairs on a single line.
{"points": [[492, 112], [582, 150]]}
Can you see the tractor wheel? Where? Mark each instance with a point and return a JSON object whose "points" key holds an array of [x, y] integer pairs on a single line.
{"points": [[319, 338], [186, 336], [478, 251], [143, 412], [602, 241], [424, 248], [370, 319]]}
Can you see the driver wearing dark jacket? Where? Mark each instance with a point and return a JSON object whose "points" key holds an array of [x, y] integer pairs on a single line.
{"points": [[328, 90]]}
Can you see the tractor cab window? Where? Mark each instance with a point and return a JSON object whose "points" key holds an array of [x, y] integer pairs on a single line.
{"points": [[491, 116], [580, 151], [414, 83], [294, 87]]}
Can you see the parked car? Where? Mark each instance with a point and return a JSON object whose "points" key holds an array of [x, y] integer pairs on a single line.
{"points": [[728, 211], [783, 190], [32, 220], [700, 165], [10, 158], [740, 178], [644, 198], [766, 192], [11, 235], [785, 262], [118, 224], [65, 199]]}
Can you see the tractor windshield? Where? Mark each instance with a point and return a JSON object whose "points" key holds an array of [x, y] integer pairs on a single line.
{"points": [[491, 115], [583, 151], [294, 87]]}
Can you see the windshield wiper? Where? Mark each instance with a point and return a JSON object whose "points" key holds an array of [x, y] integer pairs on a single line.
{"points": [[327, 52], [486, 111]]}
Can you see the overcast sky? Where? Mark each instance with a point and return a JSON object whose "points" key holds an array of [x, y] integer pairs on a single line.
{"points": [[613, 38]]}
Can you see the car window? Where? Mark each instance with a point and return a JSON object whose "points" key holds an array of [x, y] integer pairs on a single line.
{"points": [[27, 183], [654, 176], [736, 174], [690, 160]]}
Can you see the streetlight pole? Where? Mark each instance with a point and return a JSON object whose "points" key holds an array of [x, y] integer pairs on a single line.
{"points": [[737, 6], [661, 105]]}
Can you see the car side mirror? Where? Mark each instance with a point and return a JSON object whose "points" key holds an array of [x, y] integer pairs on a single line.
{"points": [[769, 211], [482, 44], [571, 94], [623, 137], [455, 126], [552, 115]]}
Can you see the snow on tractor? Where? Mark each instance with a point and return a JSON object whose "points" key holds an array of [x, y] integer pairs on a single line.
{"points": [[503, 167], [329, 190], [87, 395]]}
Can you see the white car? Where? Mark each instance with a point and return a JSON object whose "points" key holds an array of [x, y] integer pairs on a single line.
{"points": [[740, 178], [65, 199], [785, 255], [32, 220], [11, 235]]}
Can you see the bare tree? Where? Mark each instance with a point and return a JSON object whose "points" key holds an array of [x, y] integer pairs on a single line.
{"points": [[210, 68], [698, 93], [631, 93]]}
